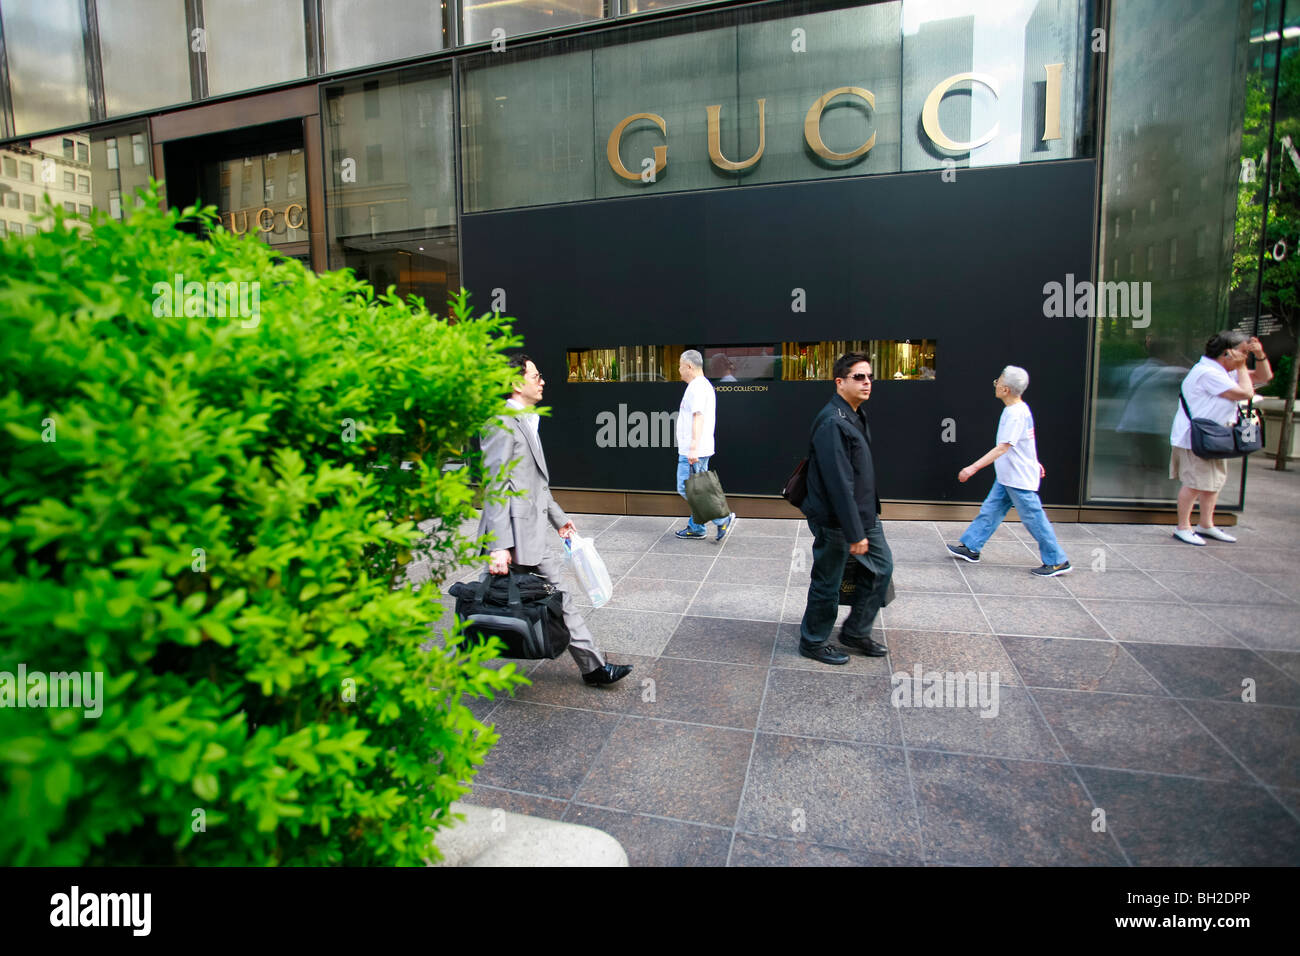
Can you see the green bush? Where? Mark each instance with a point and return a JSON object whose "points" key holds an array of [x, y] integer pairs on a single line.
{"points": [[208, 511]]}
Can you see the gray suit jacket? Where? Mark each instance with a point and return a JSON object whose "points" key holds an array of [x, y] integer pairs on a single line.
{"points": [[520, 523]]}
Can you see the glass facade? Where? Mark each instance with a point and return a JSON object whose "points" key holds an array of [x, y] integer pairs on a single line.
{"points": [[743, 96], [391, 186], [1179, 227], [892, 87]]}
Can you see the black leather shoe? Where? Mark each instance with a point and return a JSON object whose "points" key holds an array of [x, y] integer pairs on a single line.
{"points": [[864, 644], [609, 674], [822, 652]]}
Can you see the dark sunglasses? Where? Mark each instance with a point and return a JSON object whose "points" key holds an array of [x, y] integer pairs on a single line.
{"points": [[860, 377]]}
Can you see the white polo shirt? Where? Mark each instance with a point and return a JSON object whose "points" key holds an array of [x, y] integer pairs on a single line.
{"points": [[1202, 387]]}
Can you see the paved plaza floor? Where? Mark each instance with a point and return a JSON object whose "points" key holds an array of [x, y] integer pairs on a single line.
{"points": [[1121, 735]]}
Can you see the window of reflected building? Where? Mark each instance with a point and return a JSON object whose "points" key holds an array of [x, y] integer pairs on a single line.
{"points": [[70, 168], [390, 191]]}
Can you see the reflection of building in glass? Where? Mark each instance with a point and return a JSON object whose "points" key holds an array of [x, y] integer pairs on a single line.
{"points": [[1169, 204], [265, 196], [55, 165]]}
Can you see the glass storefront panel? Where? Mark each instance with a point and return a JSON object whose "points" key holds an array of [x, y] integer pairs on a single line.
{"points": [[47, 63], [480, 19], [253, 43], [1171, 167], [128, 32], [361, 32], [266, 195], [76, 170], [526, 132], [390, 191], [811, 94]]}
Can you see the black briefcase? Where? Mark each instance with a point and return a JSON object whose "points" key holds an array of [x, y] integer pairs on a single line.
{"points": [[523, 609], [856, 576]]}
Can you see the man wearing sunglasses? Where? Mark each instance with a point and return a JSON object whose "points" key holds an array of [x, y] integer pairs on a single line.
{"points": [[842, 509]]}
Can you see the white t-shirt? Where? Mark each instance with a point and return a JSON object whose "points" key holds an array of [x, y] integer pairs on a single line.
{"points": [[698, 397], [1202, 387], [1018, 468]]}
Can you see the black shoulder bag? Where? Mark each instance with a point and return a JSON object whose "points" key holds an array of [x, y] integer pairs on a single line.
{"points": [[1212, 440]]}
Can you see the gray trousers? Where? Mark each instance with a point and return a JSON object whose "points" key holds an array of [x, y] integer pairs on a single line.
{"points": [[582, 645]]}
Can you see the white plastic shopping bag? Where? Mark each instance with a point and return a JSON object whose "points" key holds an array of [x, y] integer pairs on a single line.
{"points": [[588, 567]]}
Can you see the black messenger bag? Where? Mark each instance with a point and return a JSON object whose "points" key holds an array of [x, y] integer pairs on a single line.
{"points": [[521, 608]]}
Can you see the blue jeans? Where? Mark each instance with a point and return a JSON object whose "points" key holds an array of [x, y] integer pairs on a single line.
{"points": [[684, 472], [1032, 516], [830, 555]]}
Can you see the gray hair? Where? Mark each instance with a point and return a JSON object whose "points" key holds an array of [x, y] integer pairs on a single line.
{"points": [[1016, 379], [692, 357]]}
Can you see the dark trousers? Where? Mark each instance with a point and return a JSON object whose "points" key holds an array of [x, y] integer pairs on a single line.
{"points": [[830, 553]]}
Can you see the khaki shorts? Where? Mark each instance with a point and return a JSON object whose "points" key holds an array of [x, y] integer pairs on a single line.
{"points": [[1201, 474]]}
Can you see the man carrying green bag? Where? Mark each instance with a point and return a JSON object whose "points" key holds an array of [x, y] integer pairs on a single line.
{"points": [[695, 423]]}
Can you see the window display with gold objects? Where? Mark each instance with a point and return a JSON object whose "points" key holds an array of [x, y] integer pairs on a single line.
{"points": [[892, 360]]}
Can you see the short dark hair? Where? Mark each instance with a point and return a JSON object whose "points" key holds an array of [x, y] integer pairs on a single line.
{"points": [[847, 361], [519, 361], [1220, 342]]}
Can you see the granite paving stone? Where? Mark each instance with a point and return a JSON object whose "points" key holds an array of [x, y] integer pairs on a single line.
{"points": [[1218, 587], [750, 849], [1286, 661], [727, 570], [843, 794], [731, 642], [1038, 617], [1013, 729], [1074, 664], [1158, 624], [929, 577], [978, 810], [1265, 738], [559, 683], [1170, 557], [942, 651], [1216, 673], [1002, 579], [673, 567], [766, 527], [1118, 585], [621, 631], [548, 808], [1261, 628], [739, 602], [702, 692], [1180, 821], [831, 705], [544, 750], [912, 611], [671, 769], [1136, 733], [648, 594], [651, 841], [756, 546]]}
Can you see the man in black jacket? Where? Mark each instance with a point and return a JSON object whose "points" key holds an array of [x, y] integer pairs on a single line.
{"points": [[842, 508]]}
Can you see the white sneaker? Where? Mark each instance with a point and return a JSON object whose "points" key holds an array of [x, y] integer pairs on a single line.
{"points": [[1218, 534], [1189, 536]]}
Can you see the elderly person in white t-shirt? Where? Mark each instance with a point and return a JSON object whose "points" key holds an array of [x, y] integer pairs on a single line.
{"points": [[1211, 389], [696, 417]]}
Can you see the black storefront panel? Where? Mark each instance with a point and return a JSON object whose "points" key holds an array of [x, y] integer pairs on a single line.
{"points": [[908, 256]]}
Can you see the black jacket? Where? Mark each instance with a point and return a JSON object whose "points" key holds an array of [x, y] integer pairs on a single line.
{"points": [[841, 474]]}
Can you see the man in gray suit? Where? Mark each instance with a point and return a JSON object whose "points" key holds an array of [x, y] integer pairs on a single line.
{"points": [[519, 525]]}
